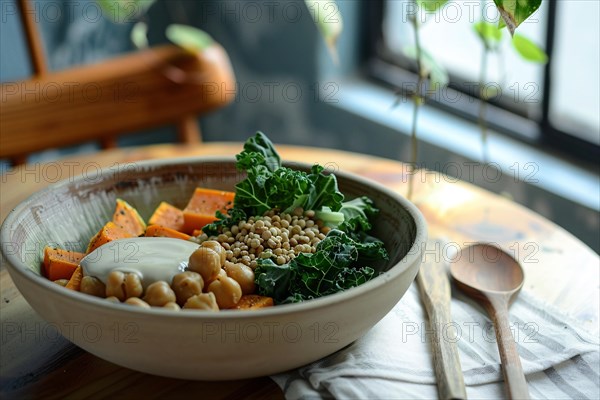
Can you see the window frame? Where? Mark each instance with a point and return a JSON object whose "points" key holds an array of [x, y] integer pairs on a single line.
{"points": [[380, 66]]}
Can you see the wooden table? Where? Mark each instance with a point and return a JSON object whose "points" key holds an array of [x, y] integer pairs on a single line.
{"points": [[37, 362]]}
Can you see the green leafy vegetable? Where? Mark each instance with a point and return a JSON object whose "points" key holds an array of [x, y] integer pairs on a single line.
{"points": [[359, 207], [353, 215], [271, 186], [335, 266], [233, 216], [261, 144], [370, 249], [330, 218], [353, 219]]}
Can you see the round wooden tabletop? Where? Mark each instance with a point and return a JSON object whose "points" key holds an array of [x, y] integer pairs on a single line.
{"points": [[37, 362]]}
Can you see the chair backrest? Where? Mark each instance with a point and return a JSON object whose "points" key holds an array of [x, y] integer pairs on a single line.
{"points": [[153, 87]]}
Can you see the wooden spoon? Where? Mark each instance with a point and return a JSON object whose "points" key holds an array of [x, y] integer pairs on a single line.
{"points": [[490, 275]]}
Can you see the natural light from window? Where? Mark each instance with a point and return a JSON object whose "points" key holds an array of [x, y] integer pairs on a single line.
{"points": [[575, 100], [450, 38]]}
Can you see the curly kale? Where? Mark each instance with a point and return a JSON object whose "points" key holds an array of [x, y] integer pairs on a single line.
{"points": [[336, 265]]}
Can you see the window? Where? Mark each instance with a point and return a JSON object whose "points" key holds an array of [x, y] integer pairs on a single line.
{"points": [[554, 104]]}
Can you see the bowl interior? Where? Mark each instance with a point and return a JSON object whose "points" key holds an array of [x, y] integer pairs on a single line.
{"points": [[69, 213]]}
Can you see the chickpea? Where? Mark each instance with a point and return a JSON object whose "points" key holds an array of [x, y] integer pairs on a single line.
{"points": [[243, 275], [206, 262], [112, 299], [203, 301], [187, 284], [133, 285], [114, 285], [217, 248], [123, 286], [159, 293], [221, 273], [226, 290], [93, 286], [136, 301], [172, 306]]}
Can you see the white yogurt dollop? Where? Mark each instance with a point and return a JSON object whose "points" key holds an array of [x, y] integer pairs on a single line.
{"points": [[151, 258]]}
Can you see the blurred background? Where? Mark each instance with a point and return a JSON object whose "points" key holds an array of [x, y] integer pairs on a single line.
{"points": [[544, 123]]}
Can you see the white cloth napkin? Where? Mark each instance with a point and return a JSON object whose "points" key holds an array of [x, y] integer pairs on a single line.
{"points": [[393, 360]]}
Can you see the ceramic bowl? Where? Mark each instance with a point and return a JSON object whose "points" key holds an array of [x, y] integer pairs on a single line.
{"points": [[198, 345]]}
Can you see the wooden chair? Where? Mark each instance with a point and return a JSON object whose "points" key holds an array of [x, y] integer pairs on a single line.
{"points": [[154, 87]]}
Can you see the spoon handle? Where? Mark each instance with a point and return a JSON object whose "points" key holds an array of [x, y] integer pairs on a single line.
{"points": [[435, 293], [514, 377]]}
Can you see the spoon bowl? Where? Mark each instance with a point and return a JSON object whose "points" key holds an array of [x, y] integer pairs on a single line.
{"points": [[490, 275], [485, 268]]}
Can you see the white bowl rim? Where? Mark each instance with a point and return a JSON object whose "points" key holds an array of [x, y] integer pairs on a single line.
{"points": [[15, 266]]}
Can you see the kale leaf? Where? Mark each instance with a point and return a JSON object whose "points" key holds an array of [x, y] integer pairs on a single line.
{"points": [[359, 207], [233, 216], [262, 145], [353, 217], [335, 266], [268, 185]]}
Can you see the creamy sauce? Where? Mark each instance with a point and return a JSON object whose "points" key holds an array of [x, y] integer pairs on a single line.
{"points": [[151, 258]]}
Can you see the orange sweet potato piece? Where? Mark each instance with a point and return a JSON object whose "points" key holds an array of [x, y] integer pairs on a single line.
{"points": [[168, 216], [75, 280], [128, 218], [60, 263], [202, 207], [108, 233], [163, 231], [253, 302], [196, 232]]}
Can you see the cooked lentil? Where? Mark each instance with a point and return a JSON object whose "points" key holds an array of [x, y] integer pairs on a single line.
{"points": [[280, 237]]}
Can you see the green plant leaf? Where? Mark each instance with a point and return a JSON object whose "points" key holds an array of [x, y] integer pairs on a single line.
{"points": [[328, 19], [139, 35], [514, 12], [123, 11], [188, 37], [436, 72], [489, 33], [529, 50], [431, 5]]}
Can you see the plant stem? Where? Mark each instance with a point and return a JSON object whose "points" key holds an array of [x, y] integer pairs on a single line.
{"points": [[482, 92], [483, 101], [417, 100]]}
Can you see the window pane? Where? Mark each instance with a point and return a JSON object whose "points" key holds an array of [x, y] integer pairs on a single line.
{"points": [[575, 95], [449, 36]]}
